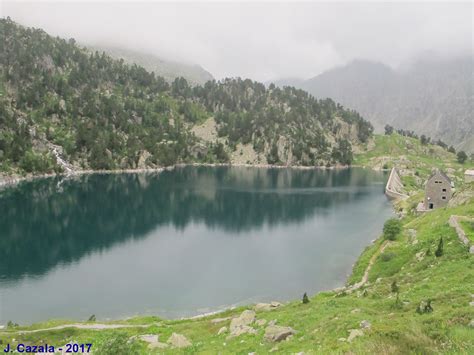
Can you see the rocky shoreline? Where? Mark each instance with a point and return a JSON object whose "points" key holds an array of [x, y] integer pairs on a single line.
{"points": [[11, 180]]}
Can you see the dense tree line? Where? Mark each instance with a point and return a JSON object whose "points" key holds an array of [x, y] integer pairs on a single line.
{"points": [[105, 114]]}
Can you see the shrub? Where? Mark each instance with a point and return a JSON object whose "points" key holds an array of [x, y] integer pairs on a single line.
{"points": [[118, 344], [392, 228], [394, 287], [462, 156], [439, 250], [305, 298], [387, 256]]}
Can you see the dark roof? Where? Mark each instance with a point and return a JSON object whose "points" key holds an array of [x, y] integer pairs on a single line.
{"points": [[441, 173]]}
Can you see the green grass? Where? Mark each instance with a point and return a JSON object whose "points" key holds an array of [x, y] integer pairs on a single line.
{"points": [[396, 328], [468, 228]]}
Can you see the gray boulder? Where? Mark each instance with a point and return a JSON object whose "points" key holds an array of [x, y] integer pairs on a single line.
{"points": [[178, 341], [277, 333]]}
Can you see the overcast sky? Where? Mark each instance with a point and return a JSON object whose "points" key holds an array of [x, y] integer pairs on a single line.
{"points": [[264, 40]]}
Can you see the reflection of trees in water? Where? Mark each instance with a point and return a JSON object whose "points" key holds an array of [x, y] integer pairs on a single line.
{"points": [[45, 222]]}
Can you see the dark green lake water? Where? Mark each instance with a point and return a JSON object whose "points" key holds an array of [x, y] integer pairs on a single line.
{"points": [[181, 242]]}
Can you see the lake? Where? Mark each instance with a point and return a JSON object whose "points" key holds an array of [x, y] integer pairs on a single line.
{"points": [[181, 242]]}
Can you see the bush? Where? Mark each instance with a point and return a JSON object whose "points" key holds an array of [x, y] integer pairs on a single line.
{"points": [[462, 156], [387, 256], [439, 250], [394, 287], [305, 298], [392, 228]]}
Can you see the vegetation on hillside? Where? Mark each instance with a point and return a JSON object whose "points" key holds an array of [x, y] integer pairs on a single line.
{"points": [[94, 112]]}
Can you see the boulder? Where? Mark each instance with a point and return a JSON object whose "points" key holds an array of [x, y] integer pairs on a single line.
{"points": [[365, 324], [178, 341], [222, 331], [246, 318], [158, 345], [354, 333], [471, 324], [267, 306], [355, 310], [277, 333], [242, 329], [220, 320], [149, 338], [261, 322]]}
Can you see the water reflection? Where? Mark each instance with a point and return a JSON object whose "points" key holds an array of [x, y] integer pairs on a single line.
{"points": [[51, 221]]}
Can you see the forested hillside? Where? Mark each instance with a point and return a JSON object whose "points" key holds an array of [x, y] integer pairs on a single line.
{"points": [[63, 108], [168, 69]]}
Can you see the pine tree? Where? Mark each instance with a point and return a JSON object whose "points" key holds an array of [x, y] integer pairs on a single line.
{"points": [[439, 250]]}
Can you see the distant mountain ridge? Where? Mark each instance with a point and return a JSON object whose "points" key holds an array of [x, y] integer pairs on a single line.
{"points": [[433, 96], [169, 70]]}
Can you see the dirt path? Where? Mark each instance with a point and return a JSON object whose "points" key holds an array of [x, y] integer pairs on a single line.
{"points": [[365, 277], [95, 326]]}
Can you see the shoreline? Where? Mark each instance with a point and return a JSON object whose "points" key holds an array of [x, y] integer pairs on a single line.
{"points": [[12, 180]]}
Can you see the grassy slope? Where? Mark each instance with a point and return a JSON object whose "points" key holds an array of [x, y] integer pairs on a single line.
{"points": [[448, 281]]}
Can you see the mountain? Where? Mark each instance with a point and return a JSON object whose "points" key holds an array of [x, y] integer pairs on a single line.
{"points": [[432, 96], [65, 108], [167, 69]]}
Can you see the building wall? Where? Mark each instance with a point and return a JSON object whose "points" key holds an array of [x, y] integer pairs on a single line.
{"points": [[437, 192]]}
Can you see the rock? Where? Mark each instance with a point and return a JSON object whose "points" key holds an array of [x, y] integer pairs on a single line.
{"points": [[471, 249], [277, 333], [365, 324], [142, 160], [246, 318], [471, 324], [267, 306], [471, 304], [341, 339], [272, 350], [178, 341], [272, 322], [419, 256], [355, 310], [261, 322], [354, 333], [220, 320], [222, 331], [148, 338], [242, 329]]}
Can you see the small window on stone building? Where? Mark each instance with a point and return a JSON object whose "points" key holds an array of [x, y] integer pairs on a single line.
{"points": [[444, 190], [444, 197]]}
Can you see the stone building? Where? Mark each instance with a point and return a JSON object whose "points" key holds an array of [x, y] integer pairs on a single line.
{"points": [[438, 190]]}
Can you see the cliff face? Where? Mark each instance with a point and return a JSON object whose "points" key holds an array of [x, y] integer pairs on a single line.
{"points": [[433, 96]]}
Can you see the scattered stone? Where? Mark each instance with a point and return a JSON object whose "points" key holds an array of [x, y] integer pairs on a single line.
{"points": [[420, 256], [178, 341], [275, 348], [354, 333], [365, 324], [261, 322], [149, 338], [267, 306], [277, 333], [158, 345], [246, 318], [471, 249], [471, 324], [242, 329], [355, 310], [342, 339], [272, 322], [220, 320], [471, 303], [222, 331]]}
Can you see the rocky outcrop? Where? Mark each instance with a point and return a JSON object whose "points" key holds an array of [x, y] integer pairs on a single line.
{"points": [[454, 222], [275, 333], [241, 325], [267, 306], [178, 341]]}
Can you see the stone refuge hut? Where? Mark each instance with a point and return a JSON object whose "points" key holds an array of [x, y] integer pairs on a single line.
{"points": [[438, 191], [469, 175]]}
